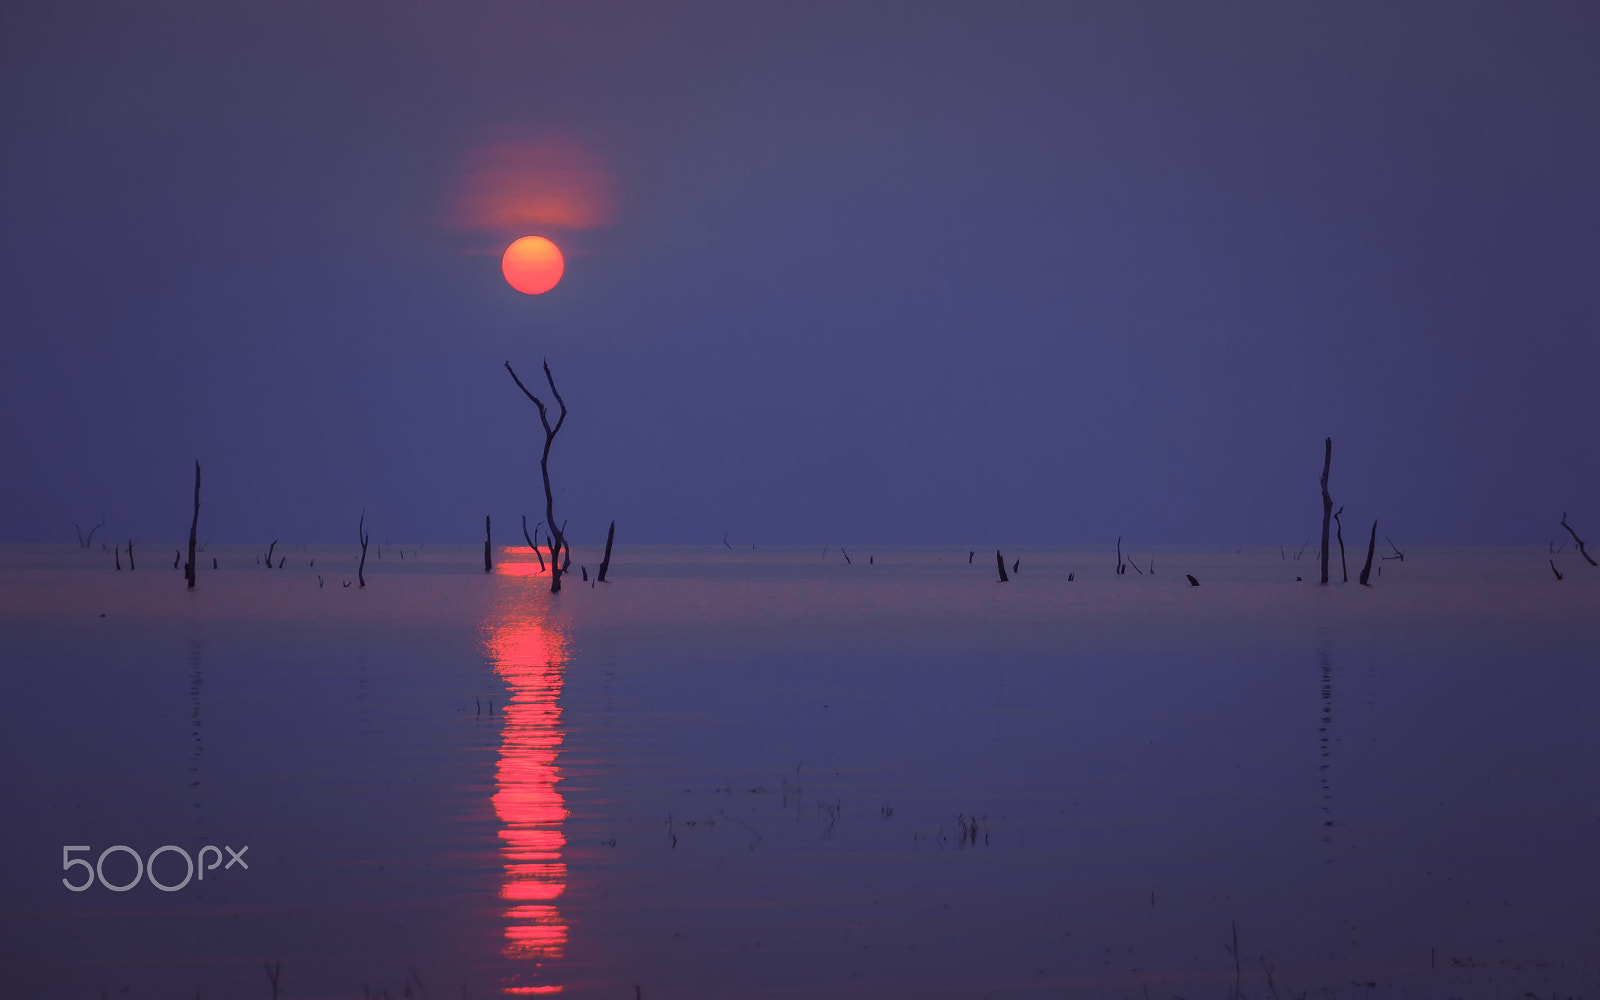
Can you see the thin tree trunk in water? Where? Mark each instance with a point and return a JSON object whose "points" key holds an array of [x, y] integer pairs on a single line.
{"points": [[1339, 525], [1366, 571], [605, 560], [488, 567], [273, 546], [1553, 569], [194, 525], [130, 555], [550, 432], [1327, 502], [361, 533], [1000, 561]]}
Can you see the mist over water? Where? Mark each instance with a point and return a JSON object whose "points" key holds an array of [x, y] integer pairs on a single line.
{"points": [[736, 773]]}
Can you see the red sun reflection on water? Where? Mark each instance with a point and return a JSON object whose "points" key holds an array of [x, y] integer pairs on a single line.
{"points": [[529, 654]]}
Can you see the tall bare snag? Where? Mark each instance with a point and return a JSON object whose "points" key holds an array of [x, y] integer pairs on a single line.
{"points": [[559, 540], [1327, 502], [194, 524]]}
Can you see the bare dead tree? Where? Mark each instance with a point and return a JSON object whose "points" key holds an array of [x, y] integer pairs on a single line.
{"points": [[550, 433], [1000, 561], [1339, 525], [1557, 572], [1120, 569], [130, 555], [1581, 549], [488, 567], [605, 560], [1327, 502], [846, 555], [361, 533], [87, 541], [117, 554], [1372, 543], [275, 545], [1398, 556], [1192, 581], [532, 546], [194, 525]]}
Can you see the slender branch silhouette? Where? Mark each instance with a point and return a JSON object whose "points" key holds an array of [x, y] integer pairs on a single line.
{"points": [[1581, 549], [550, 432], [194, 526], [1344, 570], [605, 561], [1327, 502], [531, 545], [1372, 543], [361, 533]]}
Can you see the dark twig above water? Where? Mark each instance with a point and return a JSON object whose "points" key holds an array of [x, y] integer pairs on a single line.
{"points": [[1582, 550], [1398, 556], [1327, 502], [539, 555], [1343, 569], [361, 533], [605, 560], [1557, 572], [1372, 543], [87, 541], [488, 566], [1000, 563], [194, 526]]}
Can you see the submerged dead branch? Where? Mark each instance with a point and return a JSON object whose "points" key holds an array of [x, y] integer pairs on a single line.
{"points": [[1582, 550]]}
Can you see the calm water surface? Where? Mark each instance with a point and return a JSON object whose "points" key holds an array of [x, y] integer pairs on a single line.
{"points": [[776, 774]]}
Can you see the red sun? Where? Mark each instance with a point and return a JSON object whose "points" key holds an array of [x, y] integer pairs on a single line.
{"points": [[533, 265]]}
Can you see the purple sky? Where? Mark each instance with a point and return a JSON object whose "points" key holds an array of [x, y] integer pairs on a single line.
{"points": [[875, 273]]}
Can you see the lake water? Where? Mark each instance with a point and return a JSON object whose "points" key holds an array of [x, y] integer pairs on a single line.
{"points": [[772, 773]]}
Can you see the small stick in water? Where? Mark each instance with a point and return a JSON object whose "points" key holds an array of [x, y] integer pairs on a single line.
{"points": [[605, 560], [1000, 561], [1366, 571]]}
